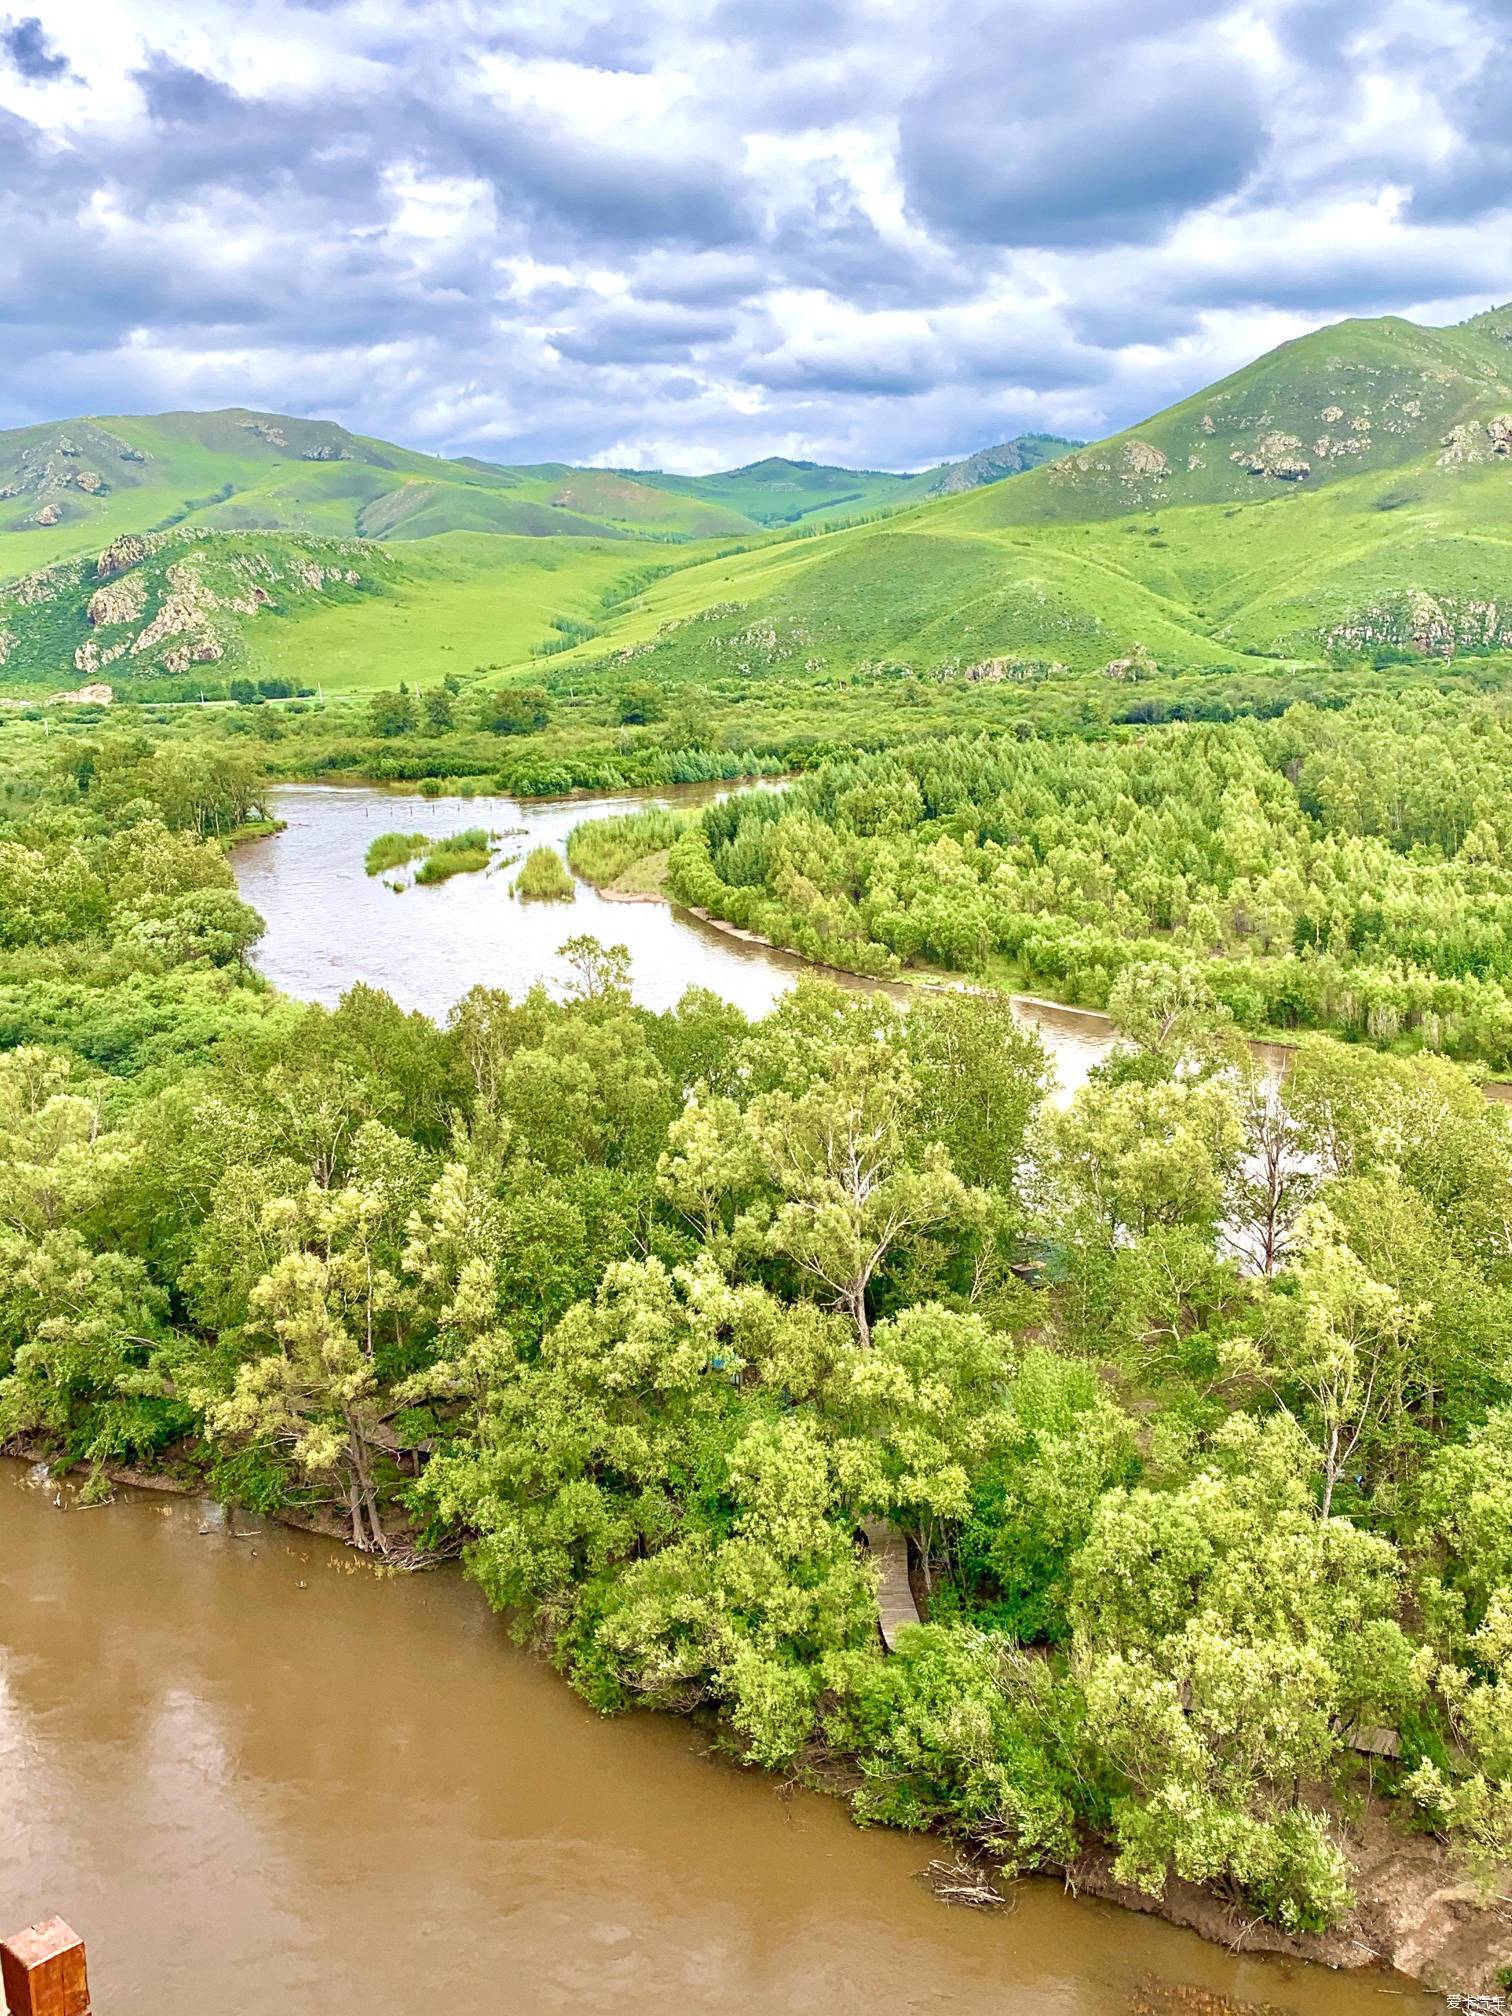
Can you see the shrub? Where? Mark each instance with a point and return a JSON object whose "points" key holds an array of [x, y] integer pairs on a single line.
{"points": [[544, 878]]}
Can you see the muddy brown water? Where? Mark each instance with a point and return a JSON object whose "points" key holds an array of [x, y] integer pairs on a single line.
{"points": [[262, 1781]]}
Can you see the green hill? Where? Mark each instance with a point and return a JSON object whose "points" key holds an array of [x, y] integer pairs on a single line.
{"points": [[71, 485], [164, 614], [1357, 397], [780, 492], [1348, 495], [777, 491], [289, 500], [991, 465]]}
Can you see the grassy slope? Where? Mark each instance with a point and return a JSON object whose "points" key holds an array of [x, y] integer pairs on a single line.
{"points": [[781, 492], [462, 603], [1156, 541], [1196, 587], [1397, 391], [237, 470], [1199, 567]]}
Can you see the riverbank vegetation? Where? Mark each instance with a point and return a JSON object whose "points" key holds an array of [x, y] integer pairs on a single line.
{"points": [[394, 850], [1343, 870], [465, 853], [606, 851], [1193, 1401]]}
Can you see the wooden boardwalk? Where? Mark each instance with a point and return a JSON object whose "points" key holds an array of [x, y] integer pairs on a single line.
{"points": [[896, 1608]]}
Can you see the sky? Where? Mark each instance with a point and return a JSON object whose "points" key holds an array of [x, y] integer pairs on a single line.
{"points": [[689, 233]]}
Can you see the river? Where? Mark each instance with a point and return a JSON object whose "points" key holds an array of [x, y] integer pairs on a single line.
{"points": [[331, 925], [263, 1781]]}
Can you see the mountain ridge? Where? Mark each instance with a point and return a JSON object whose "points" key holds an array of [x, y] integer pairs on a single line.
{"points": [[283, 473]]}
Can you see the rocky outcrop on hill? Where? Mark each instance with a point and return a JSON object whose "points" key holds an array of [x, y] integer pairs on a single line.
{"points": [[164, 602], [46, 468], [1438, 626], [40, 586], [182, 625], [1136, 664], [1276, 455], [117, 602], [120, 554], [991, 465], [1143, 458], [1472, 442]]}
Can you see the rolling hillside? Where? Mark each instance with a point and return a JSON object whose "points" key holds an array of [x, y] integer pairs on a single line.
{"points": [[1358, 397], [70, 485], [779, 492], [1348, 495], [139, 550]]}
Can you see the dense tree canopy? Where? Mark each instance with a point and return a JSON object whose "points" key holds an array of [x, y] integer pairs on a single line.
{"points": [[1192, 1393], [1338, 870]]}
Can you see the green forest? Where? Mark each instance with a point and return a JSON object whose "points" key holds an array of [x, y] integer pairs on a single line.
{"points": [[1192, 1395], [1325, 869]]}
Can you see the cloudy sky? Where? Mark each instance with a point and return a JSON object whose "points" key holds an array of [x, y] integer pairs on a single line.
{"points": [[685, 233]]}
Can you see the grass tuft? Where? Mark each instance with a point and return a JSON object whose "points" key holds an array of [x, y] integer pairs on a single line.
{"points": [[393, 850]]}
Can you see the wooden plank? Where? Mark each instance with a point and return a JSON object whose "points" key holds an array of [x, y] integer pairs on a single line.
{"points": [[1373, 1741], [43, 1971], [896, 1608]]}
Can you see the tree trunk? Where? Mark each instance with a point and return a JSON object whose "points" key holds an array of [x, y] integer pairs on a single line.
{"points": [[1330, 1472]]}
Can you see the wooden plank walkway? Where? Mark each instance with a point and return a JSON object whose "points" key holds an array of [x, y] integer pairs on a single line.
{"points": [[896, 1608]]}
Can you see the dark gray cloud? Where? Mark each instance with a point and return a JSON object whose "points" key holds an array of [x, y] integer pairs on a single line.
{"points": [[1475, 176], [26, 43], [830, 243], [641, 333], [1028, 141], [623, 194], [701, 230]]}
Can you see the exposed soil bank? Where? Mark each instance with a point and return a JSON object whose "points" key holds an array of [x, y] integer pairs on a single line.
{"points": [[1415, 1913]]}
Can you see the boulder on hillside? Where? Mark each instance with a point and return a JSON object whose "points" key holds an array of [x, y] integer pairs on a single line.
{"points": [[120, 554], [1275, 455]]}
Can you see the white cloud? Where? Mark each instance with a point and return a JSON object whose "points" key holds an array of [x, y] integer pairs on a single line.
{"points": [[707, 230]]}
